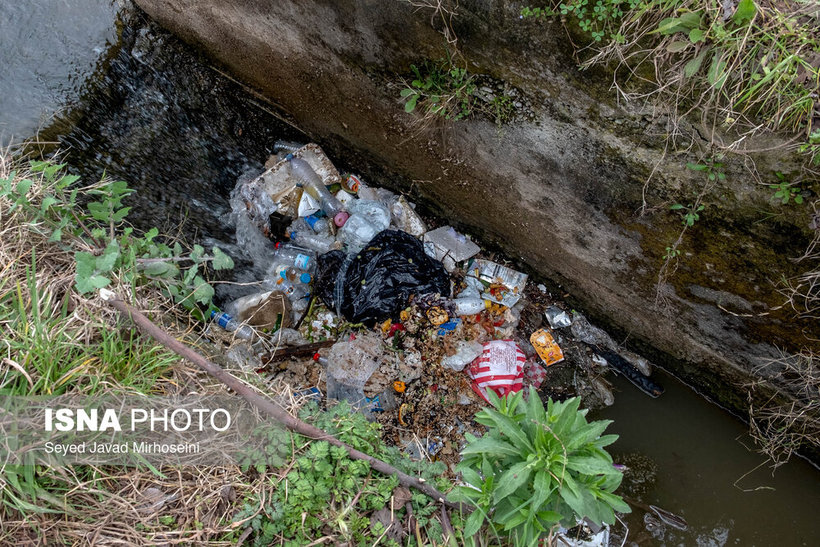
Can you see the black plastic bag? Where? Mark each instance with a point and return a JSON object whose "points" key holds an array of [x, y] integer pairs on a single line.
{"points": [[376, 283]]}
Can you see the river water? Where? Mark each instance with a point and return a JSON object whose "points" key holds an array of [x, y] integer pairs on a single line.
{"points": [[126, 99]]}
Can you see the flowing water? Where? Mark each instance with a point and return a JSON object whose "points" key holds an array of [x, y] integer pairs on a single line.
{"points": [[49, 49], [134, 103]]}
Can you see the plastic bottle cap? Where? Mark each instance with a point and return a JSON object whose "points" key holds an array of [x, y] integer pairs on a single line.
{"points": [[213, 313], [278, 243], [305, 278], [316, 356], [340, 218]]}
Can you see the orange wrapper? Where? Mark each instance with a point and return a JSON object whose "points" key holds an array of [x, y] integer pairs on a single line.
{"points": [[546, 347]]}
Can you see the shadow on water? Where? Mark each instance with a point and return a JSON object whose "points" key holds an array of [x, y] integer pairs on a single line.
{"points": [[158, 116]]}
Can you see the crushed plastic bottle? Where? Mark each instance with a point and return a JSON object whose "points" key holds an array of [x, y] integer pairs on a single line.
{"points": [[309, 240], [313, 185], [367, 218], [232, 325], [406, 219]]}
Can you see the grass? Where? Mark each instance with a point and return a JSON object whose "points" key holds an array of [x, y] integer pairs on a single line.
{"points": [[59, 340], [752, 66]]}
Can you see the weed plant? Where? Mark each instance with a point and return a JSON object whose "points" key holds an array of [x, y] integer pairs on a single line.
{"points": [[750, 64]]}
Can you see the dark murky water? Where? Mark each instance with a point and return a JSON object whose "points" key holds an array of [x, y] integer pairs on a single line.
{"points": [[706, 474], [150, 111]]}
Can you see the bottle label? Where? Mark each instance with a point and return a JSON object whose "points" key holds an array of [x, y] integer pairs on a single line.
{"points": [[312, 220], [302, 261], [223, 319]]}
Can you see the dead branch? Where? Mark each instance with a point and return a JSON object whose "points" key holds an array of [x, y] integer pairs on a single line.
{"points": [[266, 405]]}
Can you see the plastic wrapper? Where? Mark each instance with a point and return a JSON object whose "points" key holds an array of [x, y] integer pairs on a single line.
{"points": [[557, 317], [546, 347], [502, 285], [376, 283], [267, 310], [500, 367], [406, 219], [449, 246], [466, 352]]}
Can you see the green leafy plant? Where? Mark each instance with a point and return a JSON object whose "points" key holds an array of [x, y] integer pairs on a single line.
{"points": [[104, 246], [689, 213], [740, 62], [323, 488], [785, 191], [671, 253], [440, 89], [536, 468]]}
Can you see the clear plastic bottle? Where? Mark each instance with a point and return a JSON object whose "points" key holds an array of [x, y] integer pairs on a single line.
{"points": [[318, 224], [309, 240], [232, 325], [292, 255], [470, 305], [313, 185]]}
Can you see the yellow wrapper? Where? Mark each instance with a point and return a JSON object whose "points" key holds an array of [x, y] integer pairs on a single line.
{"points": [[546, 347]]}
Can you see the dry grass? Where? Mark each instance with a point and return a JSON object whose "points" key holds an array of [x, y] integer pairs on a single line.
{"points": [[94, 505], [782, 428]]}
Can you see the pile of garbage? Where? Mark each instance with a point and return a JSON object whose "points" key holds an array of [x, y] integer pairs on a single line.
{"points": [[359, 300]]}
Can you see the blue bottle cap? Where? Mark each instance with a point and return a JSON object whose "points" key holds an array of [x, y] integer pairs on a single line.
{"points": [[305, 278]]}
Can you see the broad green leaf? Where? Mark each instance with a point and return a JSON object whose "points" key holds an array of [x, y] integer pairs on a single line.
{"points": [[746, 9], [190, 274], [716, 75], [197, 253], [221, 260], [690, 20], [85, 263], [203, 292], [120, 215], [696, 35], [99, 211], [66, 181], [151, 234], [667, 26], [106, 261], [24, 186], [614, 501], [406, 92], [591, 465], [509, 428], [512, 478], [492, 446], [48, 201], [410, 105], [473, 523], [677, 47], [159, 269], [691, 68], [542, 485], [605, 440]]}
